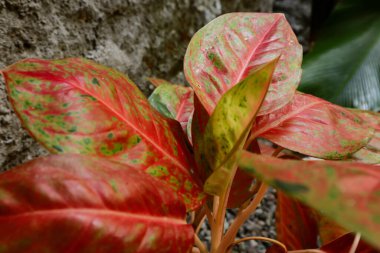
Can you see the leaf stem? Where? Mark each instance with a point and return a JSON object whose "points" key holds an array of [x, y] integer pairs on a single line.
{"points": [[218, 229], [201, 246], [259, 238], [355, 244], [307, 251], [241, 217]]}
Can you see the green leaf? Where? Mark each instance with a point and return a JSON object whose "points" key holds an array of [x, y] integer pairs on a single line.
{"points": [[346, 192], [232, 46], [229, 125], [344, 65], [78, 106], [175, 102]]}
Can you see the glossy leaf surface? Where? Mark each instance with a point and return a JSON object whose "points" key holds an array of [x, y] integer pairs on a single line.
{"points": [[344, 65], [295, 225], [328, 229], [232, 46], [346, 192], [314, 127], [371, 152], [78, 106], [175, 102], [77, 203], [229, 125], [343, 245]]}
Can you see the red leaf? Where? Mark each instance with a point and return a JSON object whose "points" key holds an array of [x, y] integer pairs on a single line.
{"points": [[343, 245], [78, 106], [346, 192], [315, 127], [230, 47], [328, 229], [76, 203], [371, 152], [296, 227]]}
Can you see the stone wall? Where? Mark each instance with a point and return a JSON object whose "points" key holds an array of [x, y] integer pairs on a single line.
{"points": [[141, 38]]}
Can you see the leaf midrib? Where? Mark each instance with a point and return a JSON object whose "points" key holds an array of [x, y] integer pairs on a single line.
{"points": [[254, 49], [285, 118], [97, 212], [69, 82]]}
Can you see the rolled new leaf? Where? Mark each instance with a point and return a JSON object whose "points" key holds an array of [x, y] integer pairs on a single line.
{"points": [[346, 192], [78, 106], [314, 127], [229, 125], [77, 203], [232, 46]]}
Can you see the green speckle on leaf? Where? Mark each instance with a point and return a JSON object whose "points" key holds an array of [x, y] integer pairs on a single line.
{"points": [[158, 171], [95, 81], [113, 185], [174, 183], [214, 58], [188, 185], [293, 188], [110, 136], [86, 141], [73, 129], [58, 148], [112, 149]]}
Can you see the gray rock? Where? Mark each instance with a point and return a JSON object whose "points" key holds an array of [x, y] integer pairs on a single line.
{"points": [[141, 38]]}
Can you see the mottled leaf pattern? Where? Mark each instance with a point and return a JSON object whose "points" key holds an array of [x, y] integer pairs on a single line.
{"points": [[371, 152], [77, 203], [199, 123], [314, 127], [295, 225], [229, 125], [78, 106], [175, 102], [230, 47], [346, 192], [240, 189]]}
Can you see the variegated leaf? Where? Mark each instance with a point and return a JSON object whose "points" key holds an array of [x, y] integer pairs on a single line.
{"points": [[77, 106], [314, 127], [371, 152], [346, 192], [175, 102], [229, 125], [232, 46], [76, 203]]}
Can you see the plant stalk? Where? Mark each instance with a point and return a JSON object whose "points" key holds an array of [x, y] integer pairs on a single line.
{"points": [[200, 245], [241, 217]]}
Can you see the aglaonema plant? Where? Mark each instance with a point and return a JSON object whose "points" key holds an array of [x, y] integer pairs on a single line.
{"points": [[126, 170]]}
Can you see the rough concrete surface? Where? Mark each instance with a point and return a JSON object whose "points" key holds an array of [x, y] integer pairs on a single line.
{"points": [[141, 38]]}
